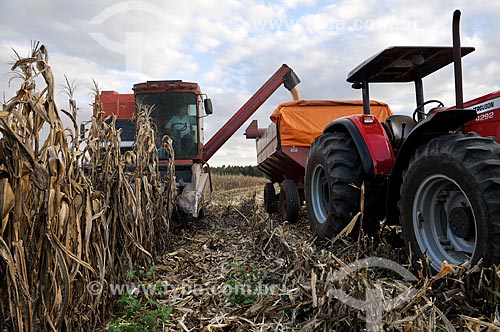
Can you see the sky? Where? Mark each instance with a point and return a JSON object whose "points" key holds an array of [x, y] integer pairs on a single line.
{"points": [[231, 48]]}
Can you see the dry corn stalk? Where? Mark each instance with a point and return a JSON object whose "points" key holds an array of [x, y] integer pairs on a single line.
{"points": [[69, 218]]}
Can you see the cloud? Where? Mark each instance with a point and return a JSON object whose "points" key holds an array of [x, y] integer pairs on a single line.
{"points": [[231, 49]]}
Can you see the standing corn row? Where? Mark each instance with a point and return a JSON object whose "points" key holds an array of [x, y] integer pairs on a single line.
{"points": [[71, 216]]}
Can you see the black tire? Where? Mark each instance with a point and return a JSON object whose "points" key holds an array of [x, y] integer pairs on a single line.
{"points": [[289, 201], [270, 199], [202, 213], [332, 183], [453, 184], [374, 204]]}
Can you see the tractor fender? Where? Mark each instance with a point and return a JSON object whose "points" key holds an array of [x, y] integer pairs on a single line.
{"points": [[437, 124], [371, 141]]}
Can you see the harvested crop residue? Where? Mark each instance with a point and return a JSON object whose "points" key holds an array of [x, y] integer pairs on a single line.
{"points": [[242, 270]]}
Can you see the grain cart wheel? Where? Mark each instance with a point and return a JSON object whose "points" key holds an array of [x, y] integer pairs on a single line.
{"points": [[289, 201], [450, 205], [333, 180], [270, 201], [202, 213]]}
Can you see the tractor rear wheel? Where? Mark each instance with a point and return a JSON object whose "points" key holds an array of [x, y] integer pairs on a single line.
{"points": [[333, 180], [289, 201], [270, 201], [450, 204]]}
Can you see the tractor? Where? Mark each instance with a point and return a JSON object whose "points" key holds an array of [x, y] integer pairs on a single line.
{"points": [[435, 173]]}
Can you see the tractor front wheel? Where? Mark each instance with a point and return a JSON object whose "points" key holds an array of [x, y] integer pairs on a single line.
{"points": [[332, 183], [450, 206]]}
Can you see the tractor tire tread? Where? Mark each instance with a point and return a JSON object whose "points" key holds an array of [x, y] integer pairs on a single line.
{"points": [[342, 165], [291, 194]]}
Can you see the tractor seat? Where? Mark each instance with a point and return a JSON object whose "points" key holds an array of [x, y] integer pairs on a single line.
{"points": [[394, 127]]}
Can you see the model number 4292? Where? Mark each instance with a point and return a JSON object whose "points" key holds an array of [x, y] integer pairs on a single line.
{"points": [[485, 116]]}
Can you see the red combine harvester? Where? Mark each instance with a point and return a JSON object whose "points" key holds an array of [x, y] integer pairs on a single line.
{"points": [[436, 172], [178, 113]]}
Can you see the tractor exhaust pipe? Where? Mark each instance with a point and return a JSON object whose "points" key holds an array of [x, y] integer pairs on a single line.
{"points": [[457, 61]]}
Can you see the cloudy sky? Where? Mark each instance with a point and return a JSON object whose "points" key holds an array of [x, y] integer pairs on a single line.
{"points": [[230, 48]]}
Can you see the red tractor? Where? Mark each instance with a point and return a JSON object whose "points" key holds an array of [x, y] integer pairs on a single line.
{"points": [[436, 173]]}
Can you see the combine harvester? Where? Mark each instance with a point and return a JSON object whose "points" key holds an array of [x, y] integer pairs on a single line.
{"points": [[178, 113]]}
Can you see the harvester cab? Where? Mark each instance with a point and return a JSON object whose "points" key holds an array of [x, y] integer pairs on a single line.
{"points": [[177, 112], [178, 109], [440, 178]]}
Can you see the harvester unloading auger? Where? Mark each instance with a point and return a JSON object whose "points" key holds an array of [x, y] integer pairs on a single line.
{"points": [[178, 113]]}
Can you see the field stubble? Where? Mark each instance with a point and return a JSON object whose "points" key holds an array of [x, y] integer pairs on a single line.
{"points": [[240, 269], [232, 189]]}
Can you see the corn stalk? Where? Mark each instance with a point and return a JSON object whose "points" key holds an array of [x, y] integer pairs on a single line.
{"points": [[72, 213]]}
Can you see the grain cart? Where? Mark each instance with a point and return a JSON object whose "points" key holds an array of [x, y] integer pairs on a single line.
{"points": [[174, 100], [283, 146], [437, 173]]}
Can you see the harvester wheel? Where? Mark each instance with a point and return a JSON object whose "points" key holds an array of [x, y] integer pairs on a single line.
{"points": [[333, 183], [289, 201], [270, 201], [450, 205]]}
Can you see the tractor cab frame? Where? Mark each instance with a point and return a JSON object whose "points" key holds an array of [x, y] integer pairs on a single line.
{"points": [[404, 64]]}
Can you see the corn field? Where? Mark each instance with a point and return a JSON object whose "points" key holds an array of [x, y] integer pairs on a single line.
{"points": [[73, 209], [76, 212]]}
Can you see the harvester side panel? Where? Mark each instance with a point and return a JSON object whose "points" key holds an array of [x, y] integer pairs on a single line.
{"points": [[122, 105]]}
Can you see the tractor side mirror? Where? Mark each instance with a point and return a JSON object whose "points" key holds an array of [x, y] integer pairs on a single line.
{"points": [[208, 106]]}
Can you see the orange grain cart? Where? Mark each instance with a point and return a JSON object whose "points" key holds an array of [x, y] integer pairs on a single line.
{"points": [[282, 148]]}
